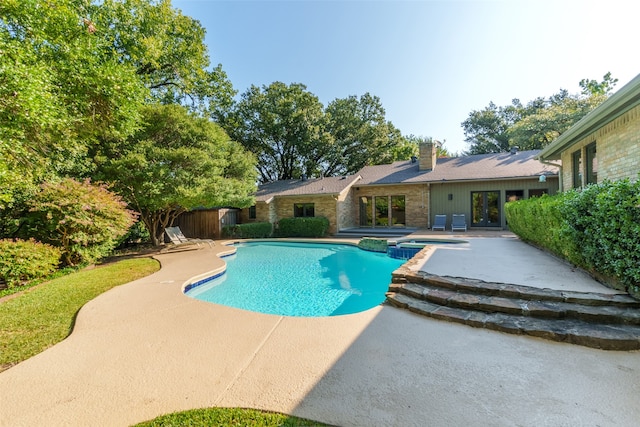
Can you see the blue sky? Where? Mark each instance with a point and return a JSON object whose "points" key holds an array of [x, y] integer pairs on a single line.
{"points": [[430, 62]]}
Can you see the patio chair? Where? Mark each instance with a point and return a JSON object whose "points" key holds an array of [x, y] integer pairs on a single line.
{"points": [[440, 223], [176, 237], [458, 222]]}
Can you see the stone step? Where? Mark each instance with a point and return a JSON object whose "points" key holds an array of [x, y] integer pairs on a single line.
{"points": [[467, 298], [573, 331], [480, 287]]}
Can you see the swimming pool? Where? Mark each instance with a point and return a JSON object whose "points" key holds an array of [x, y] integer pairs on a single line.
{"points": [[300, 279]]}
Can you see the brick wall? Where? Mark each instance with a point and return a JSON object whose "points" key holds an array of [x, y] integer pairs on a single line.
{"points": [[324, 205], [416, 201], [618, 150]]}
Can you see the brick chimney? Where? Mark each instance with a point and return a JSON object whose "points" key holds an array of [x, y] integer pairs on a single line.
{"points": [[428, 155]]}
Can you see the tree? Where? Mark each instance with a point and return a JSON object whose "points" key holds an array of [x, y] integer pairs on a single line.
{"points": [[177, 162], [361, 135], [486, 130], [542, 122], [593, 87], [75, 74], [84, 220], [165, 47], [412, 144], [284, 127], [536, 124]]}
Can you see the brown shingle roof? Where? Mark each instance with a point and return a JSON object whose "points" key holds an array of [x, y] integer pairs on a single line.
{"points": [[298, 187], [476, 167]]}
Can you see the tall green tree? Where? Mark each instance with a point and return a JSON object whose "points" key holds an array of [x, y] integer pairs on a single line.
{"points": [[361, 134], [75, 73], [176, 162], [283, 125], [534, 125]]}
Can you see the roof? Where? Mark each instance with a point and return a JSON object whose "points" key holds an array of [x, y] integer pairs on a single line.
{"points": [[306, 187], [494, 166], [617, 104]]}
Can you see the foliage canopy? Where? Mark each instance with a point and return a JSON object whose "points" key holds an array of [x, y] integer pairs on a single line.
{"points": [[533, 125]]}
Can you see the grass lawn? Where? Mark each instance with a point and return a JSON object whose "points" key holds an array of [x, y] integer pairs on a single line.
{"points": [[228, 417], [43, 316]]}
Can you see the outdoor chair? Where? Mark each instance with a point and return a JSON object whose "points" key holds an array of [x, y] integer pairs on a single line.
{"points": [[178, 238], [458, 222], [440, 223]]}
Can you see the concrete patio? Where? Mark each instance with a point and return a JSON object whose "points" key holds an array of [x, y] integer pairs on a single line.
{"points": [[144, 349]]}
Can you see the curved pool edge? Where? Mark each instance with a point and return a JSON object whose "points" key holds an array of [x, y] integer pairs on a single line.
{"points": [[199, 279], [195, 281]]}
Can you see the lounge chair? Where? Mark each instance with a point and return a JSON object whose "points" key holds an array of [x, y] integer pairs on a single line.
{"points": [[440, 223], [458, 222], [176, 237]]}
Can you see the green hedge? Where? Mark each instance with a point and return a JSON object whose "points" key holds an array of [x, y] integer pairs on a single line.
{"points": [[24, 260], [255, 230], [303, 227], [540, 221], [596, 228]]}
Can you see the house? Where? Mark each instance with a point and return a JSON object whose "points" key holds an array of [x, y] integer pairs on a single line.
{"points": [[408, 194], [604, 144]]}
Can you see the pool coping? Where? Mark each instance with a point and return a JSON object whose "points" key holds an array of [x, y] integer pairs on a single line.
{"points": [[144, 349]]}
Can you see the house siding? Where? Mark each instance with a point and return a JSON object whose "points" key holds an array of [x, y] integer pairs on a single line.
{"points": [[416, 201], [460, 202], [618, 150]]}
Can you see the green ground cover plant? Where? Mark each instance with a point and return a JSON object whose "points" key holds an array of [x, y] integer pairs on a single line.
{"points": [[228, 417], [45, 315]]}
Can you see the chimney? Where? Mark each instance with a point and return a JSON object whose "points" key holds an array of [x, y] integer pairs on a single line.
{"points": [[428, 155]]}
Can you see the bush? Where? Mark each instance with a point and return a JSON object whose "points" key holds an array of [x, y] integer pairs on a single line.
{"points": [[22, 260], [255, 230], [596, 228], [84, 220], [540, 222], [136, 235], [604, 220], [303, 227]]}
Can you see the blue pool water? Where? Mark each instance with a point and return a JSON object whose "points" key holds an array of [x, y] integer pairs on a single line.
{"points": [[301, 279]]}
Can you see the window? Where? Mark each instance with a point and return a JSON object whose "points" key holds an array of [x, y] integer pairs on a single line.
{"points": [[576, 168], [513, 195], [592, 164], [303, 210], [537, 192], [252, 212]]}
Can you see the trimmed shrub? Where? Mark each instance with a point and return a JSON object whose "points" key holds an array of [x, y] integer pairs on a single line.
{"points": [[255, 230], [303, 227], [596, 228], [540, 221], [604, 220], [24, 260], [84, 220]]}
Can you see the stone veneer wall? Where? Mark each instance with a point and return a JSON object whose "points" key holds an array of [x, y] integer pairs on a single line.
{"points": [[618, 150], [416, 201]]}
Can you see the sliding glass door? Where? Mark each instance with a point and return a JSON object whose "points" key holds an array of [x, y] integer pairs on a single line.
{"points": [[382, 211]]}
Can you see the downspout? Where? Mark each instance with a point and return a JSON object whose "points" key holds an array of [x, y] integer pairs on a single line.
{"points": [[559, 166]]}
